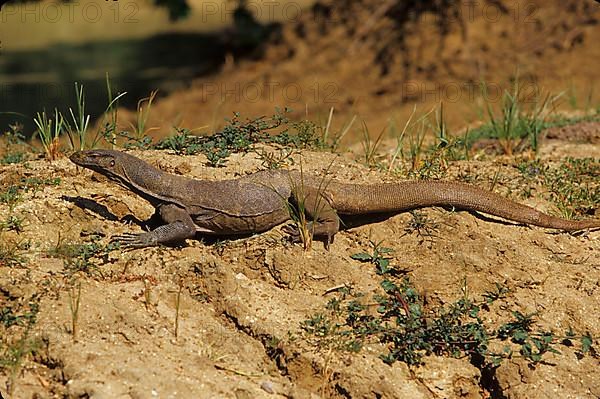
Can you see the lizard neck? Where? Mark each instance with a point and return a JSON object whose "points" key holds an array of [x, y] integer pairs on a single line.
{"points": [[154, 185]]}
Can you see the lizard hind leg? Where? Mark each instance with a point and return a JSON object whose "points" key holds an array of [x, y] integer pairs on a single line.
{"points": [[324, 220]]}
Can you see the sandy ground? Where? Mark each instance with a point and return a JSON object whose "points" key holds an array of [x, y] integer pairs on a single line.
{"points": [[241, 301]]}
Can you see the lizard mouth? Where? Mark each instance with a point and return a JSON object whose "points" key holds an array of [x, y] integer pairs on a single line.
{"points": [[78, 158], [85, 159], [90, 160]]}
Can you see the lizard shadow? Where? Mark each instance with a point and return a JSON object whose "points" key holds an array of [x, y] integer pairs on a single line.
{"points": [[102, 211], [149, 224], [351, 221]]}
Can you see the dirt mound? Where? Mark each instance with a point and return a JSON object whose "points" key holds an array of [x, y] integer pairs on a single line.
{"points": [[223, 319], [379, 59], [587, 132]]}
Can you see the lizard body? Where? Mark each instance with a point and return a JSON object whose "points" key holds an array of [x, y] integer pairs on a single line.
{"points": [[258, 202]]}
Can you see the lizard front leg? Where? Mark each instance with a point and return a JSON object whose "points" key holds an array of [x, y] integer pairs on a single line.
{"points": [[178, 228]]}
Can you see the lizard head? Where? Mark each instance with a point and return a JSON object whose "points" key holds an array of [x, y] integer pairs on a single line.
{"points": [[112, 164], [127, 171]]}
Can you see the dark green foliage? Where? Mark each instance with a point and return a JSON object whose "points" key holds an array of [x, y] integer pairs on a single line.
{"points": [[12, 194], [401, 322], [78, 256], [16, 322], [11, 253], [15, 139], [133, 142], [12, 223], [13, 157], [378, 258], [492, 296], [239, 136], [17, 313], [421, 225]]}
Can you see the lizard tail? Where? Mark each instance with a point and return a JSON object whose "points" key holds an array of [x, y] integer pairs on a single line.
{"points": [[353, 199]]}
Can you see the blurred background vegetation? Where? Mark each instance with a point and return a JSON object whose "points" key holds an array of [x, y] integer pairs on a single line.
{"points": [[143, 46], [377, 59]]}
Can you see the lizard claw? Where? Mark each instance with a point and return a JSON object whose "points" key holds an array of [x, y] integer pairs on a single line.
{"points": [[295, 237], [293, 233], [133, 240]]}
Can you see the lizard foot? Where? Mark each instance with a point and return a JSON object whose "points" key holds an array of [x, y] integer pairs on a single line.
{"points": [[294, 235], [134, 240]]}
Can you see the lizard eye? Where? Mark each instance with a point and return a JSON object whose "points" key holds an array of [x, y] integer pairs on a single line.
{"points": [[112, 163]]}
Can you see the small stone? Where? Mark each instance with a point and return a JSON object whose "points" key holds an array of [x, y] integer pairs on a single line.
{"points": [[267, 386]]}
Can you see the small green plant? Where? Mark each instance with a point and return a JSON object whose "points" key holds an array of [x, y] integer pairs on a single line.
{"points": [[19, 313], [11, 252], [21, 320], [108, 126], [302, 229], [523, 118], [397, 317], [13, 157], [78, 256], [140, 130], [139, 138], [182, 142], [297, 134], [504, 127], [415, 142], [370, 147], [12, 223], [491, 296], [333, 140], [574, 186], [378, 257], [409, 331], [77, 133], [535, 121], [35, 183], [422, 225], [237, 136], [177, 307], [275, 159], [48, 131], [427, 161], [15, 142], [12, 194], [399, 151], [74, 294], [78, 129], [447, 147]]}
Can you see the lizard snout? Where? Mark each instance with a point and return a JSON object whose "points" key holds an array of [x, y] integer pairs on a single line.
{"points": [[77, 158]]}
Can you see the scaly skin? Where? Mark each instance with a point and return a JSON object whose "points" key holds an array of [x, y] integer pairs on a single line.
{"points": [[257, 202]]}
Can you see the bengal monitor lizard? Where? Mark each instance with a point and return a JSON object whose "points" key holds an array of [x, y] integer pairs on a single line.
{"points": [[258, 202]]}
